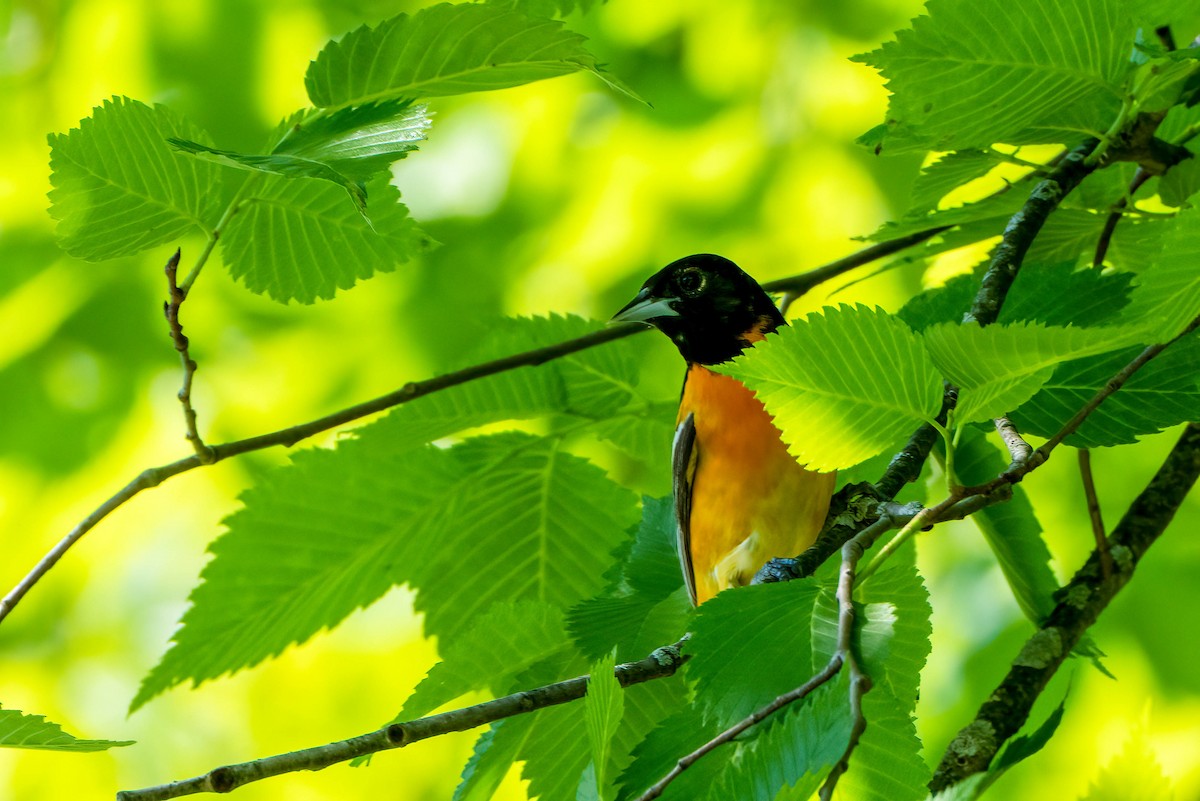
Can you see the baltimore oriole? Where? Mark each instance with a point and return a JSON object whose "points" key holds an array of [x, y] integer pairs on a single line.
{"points": [[740, 498]]}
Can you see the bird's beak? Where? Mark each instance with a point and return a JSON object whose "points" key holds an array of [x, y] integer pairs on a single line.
{"points": [[645, 308]]}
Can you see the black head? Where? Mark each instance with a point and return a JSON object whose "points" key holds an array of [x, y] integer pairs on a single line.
{"points": [[709, 308]]}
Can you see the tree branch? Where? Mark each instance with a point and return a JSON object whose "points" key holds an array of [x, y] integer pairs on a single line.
{"points": [[1093, 507], [175, 298], [1022, 229], [1080, 604], [663, 662], [287, 437]]}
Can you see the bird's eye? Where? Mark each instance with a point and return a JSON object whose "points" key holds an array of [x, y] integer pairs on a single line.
{"points": [[691, 282]]}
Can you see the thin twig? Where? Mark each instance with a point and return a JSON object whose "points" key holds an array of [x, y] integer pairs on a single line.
{"points": [[1093, 507], [1080, 604], [660, 664], [1110, 224], [154, 476], [793, 288], [175, 298]]}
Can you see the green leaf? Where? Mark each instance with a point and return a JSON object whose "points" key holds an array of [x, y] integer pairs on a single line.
{"points": [[751, 645], [443, 50], [506, 639], [18, 730], [887, 764], [298, 239], [999, 367], [603, 708], [943, 304], [346, 147], [494, 753], [976, 72], [843, 385], [1134, 773], [118, 187], [1058, 295], [1162, 394], [338, 528], [645, 606], [591, 383], [1025, 746], [1011, 529], [790, 758], [943, 176], [1167, 298], [677, 735]]}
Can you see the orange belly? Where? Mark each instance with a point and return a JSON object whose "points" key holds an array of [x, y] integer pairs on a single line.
{"points": [[750, 500]]}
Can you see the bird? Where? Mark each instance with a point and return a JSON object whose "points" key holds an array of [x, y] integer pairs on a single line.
{"points": [[740, 498]]}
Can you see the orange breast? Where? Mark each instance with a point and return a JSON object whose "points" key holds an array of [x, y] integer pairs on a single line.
{"points": [[751, 501]]}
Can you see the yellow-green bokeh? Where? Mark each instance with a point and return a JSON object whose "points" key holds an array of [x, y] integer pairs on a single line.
{"points": [[555, 197]]}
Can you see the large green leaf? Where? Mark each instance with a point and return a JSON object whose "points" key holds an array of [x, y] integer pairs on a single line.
{"points": [[976, 72], [645, 606], [1011, 529], [603, 709], [1162, 394], [503, 518], [751, 645], [508, 638], [842, 385], [443, 50], [1133, 773], [657, 753], [1167, 298], [347, 147], [943, 176], [595, 382], [298, 238], [1056, 294], [18, 730], [118, 186], [999, 367]]}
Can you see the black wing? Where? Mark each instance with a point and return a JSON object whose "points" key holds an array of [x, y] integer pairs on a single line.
{"points": [[683, 471]]}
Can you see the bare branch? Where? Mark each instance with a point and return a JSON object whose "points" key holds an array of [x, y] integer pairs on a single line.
{"points": [[287, 437], [1093, 507], [1019, 450], [663, 662], [175, 298], [1080, 604]]}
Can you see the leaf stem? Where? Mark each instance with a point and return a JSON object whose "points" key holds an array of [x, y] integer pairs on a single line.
{"points": [[235, 205]]}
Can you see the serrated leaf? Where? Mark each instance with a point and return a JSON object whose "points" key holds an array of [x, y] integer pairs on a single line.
{"points": [[646, 605], [971, 74], [443, 50], [346, 147], [1057, 294], [593, 382], [789, 759], [506, 639], [943, 176], [603, 708], [658, 752], [298, 239], [1011, 529], [338, 528], [120, 189], [1162, 394], [494, 753], [843, 385], [943, 304], [1167, 298], [999, 367], [1025, 746], [986, 217], [887, 764], [1134, 773], [19, 730], [751, 645]]}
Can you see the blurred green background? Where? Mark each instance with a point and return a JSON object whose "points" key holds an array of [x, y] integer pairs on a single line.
{"points": [[554, 197]]}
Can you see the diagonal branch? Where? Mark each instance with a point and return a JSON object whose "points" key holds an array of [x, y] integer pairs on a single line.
{"points": [[1080, 604], [660, 664], [152, 477]]}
